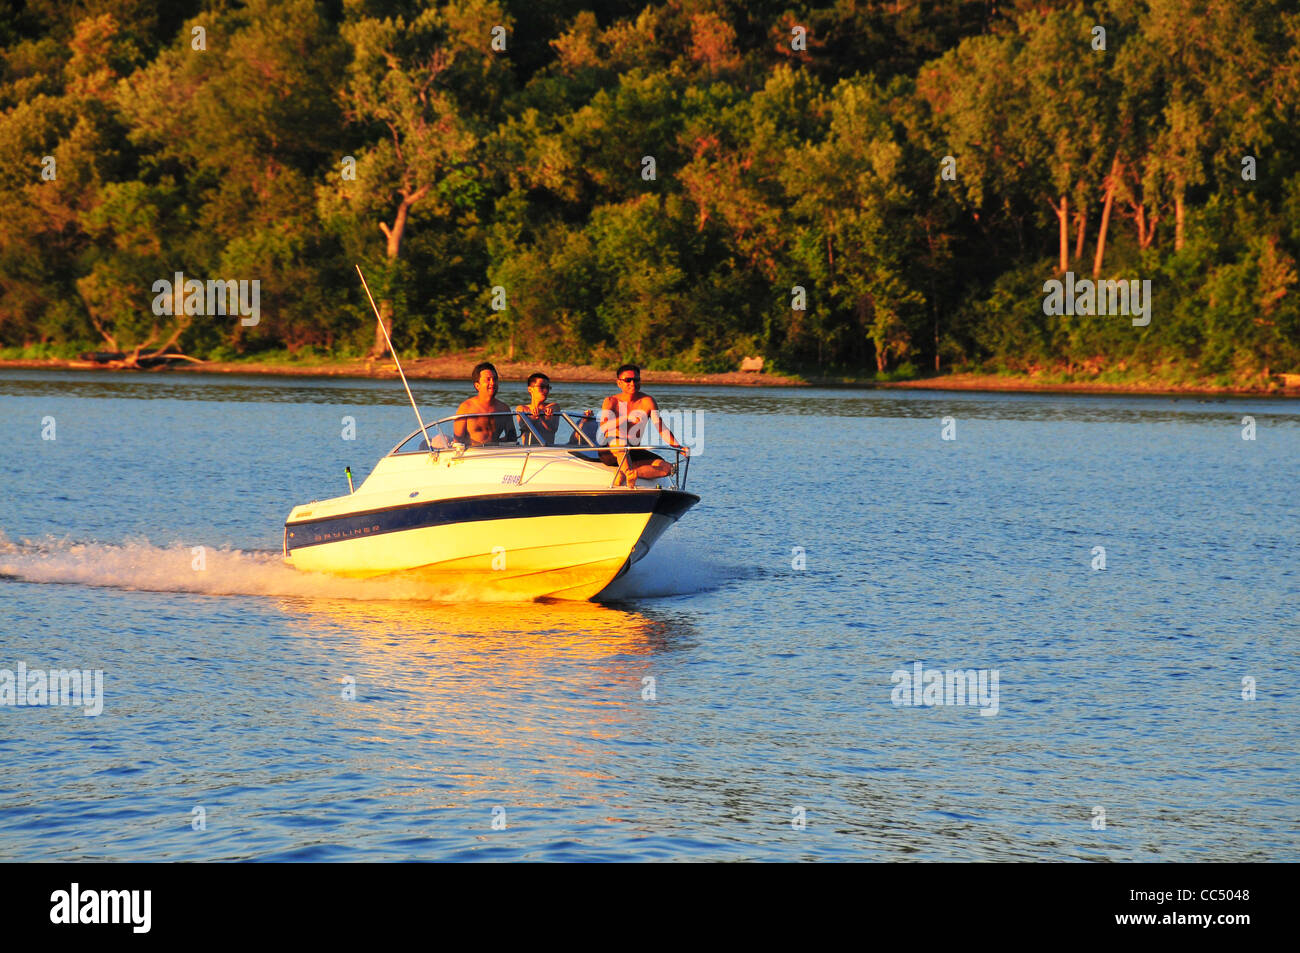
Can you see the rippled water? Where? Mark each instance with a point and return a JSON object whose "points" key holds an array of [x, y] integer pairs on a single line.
{"points": [[772, 733]]}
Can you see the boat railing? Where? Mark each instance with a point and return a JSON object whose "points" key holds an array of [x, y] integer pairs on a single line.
{"points": [[532, 436]]}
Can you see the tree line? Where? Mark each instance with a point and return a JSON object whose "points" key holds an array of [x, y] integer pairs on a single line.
{"points": [[853, 187]]}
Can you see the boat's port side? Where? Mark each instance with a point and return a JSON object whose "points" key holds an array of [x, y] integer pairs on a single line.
{"points": [[560, 545], [582, 506]]}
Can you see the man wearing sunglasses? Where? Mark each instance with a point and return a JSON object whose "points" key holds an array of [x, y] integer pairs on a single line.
{"points": [[540, 409], [624, 417]]}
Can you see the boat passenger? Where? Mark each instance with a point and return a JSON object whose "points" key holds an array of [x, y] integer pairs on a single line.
{"points": [[540, 410], [588, 427], [624, 417], [479, 431]]}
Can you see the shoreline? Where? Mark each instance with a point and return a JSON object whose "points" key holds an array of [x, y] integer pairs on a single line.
{"points": [[996, 383], [446, 368], [457, 368]]}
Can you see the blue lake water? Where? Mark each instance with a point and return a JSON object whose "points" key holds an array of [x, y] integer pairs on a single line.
{"points": [[840, 539]]}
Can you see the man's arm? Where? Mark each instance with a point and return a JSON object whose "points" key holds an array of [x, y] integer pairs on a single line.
{"points": [[459, 429], [508, 431], [667, 434], [548, 417]]}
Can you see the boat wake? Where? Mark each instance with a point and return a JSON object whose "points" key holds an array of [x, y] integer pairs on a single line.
{"points": [[142, 566]]}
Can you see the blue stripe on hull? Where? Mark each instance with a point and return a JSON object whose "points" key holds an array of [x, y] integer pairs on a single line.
{"points": [[472, 509]]}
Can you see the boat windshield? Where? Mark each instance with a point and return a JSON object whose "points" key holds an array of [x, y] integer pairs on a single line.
{"points": [[568, 429]]}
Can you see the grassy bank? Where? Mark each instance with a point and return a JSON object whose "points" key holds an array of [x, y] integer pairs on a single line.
{"points": [[1176, 379], [1096, 378], [455, 366]]}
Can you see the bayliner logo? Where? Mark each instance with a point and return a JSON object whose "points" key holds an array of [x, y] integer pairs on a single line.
{"points": [[103, 906], [344, 534]]}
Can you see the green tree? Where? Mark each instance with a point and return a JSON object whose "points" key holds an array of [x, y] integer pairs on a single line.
{"points": [[405, 81]]}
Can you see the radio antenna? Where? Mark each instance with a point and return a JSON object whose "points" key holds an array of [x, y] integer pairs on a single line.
{"points": [[393, 351]]}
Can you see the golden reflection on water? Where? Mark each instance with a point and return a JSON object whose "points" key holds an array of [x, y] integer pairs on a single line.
{"points": [[531, 631], [516, 702]]}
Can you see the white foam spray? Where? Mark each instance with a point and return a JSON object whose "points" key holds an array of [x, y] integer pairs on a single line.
{"points": [[140, 565]]}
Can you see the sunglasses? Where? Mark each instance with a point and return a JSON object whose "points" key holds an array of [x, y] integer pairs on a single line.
{"points": [[541, 386], [629, 380]]}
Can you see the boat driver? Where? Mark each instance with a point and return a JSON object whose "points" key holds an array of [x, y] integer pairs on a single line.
{"points": [[478, 431], [623, 418]]}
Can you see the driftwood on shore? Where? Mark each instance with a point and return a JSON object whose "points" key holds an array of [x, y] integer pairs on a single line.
{"points": [[132, 360]]}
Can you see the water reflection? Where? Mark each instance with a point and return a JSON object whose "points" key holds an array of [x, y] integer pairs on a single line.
{"points": [[503, 703], [439, 396], [460, 633], [234, 388]]}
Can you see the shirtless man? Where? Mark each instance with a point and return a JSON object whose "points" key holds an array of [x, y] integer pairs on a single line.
{"points": [[624, 416], [540, 408], [477, 431]]}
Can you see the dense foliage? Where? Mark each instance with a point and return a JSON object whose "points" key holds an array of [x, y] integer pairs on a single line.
{"points": [[684, 183]]}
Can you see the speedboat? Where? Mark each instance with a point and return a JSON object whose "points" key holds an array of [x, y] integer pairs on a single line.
{"points": [[534, 517]]}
